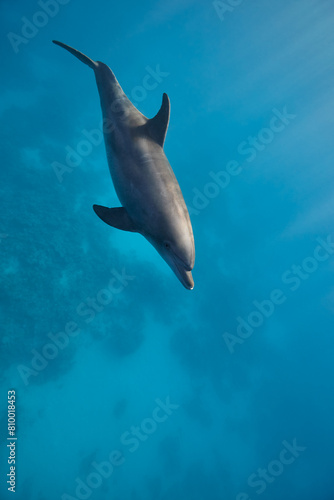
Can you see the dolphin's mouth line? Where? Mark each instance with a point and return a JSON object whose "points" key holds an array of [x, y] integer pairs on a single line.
{"points": [[181, 262], [182, 271]]}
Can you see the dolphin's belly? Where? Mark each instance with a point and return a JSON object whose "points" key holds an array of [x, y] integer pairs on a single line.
{"points": [[145, 184]]}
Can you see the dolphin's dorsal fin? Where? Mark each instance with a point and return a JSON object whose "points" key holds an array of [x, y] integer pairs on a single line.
{"points": [[115, 217], [157, 126]]}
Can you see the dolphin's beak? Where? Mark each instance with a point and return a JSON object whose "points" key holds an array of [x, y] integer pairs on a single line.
{"points": [[188, 281], [180, 268], [183, 274]]}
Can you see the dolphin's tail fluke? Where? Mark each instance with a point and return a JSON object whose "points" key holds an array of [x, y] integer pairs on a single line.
{"points": [[92, 64]]}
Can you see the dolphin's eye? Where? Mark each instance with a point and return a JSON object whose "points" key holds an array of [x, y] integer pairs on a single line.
{"points": [[167, 245]]}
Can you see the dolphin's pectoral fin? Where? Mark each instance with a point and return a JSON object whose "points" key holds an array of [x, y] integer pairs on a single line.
{"points": [[115, 217], [157, 126]]}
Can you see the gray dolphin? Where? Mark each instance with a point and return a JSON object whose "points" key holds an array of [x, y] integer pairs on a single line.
{"points": [[144, 181]]}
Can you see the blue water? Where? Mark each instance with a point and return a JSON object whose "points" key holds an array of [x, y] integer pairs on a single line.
{"points": [[151, 391]]}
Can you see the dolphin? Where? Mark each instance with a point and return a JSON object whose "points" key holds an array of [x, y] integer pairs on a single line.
{"points": [[151, 198]]}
